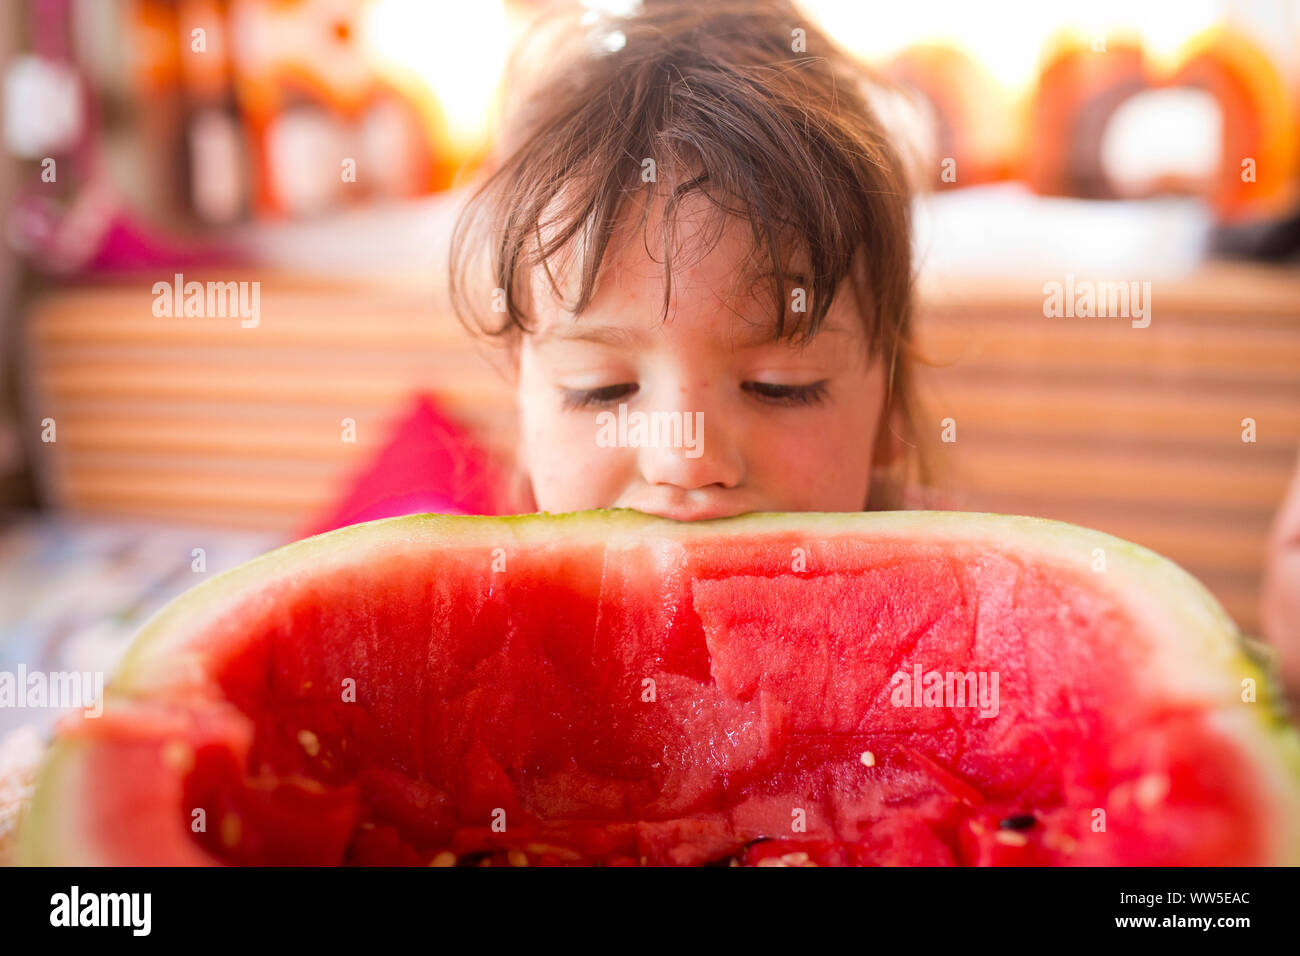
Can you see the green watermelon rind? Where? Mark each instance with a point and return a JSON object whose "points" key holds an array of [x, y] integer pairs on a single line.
{"points": [[42, 840], [1207, 661]]}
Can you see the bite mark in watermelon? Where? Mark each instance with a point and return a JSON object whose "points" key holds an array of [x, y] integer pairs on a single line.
{"points": [[609, 687]]}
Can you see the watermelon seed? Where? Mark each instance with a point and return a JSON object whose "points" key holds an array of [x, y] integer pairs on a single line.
{"points": [[309, 742], [445, 858], [1011, 838], [1151, 790], [517, 858], [772, 861], [1019, 821], [868, 758], [542, 849], [1059, 842], [178, 755], [475, 859], [231, 831]]}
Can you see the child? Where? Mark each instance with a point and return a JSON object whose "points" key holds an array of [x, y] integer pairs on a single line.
{"points": [[699, 222]]}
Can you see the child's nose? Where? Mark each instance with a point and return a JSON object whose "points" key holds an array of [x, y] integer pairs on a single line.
{"points": [[701, 454]]}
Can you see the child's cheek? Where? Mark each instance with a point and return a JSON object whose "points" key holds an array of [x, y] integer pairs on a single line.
{"points": [[823, 465], [568, 470]]}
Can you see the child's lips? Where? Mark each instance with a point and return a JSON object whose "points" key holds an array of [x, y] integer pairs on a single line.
{"points": [[692, 512]]}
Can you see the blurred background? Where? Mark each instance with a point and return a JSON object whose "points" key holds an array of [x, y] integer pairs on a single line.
{"points": [[320, 148]]}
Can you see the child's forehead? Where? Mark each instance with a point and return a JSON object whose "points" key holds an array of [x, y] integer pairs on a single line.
{"points": [[696, 264], [715, 261], [634, 324]]}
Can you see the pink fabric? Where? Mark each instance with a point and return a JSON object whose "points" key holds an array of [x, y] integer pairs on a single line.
{"points": [[429, 464]]}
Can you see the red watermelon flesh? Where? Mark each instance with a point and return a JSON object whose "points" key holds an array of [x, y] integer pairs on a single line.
{"points": [[606, 687]]}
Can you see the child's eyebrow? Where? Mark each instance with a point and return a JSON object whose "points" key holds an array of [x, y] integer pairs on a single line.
{"points": [[600, 334], [615, 335]]}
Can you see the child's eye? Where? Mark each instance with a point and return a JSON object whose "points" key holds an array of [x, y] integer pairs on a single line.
{"points": [[809, 394], [589, 397]]}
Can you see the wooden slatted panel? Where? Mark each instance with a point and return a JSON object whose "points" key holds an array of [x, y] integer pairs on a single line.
{"points": [[1132, 431], [201, 420]]}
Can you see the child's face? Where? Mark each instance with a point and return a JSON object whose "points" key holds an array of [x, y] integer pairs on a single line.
{"points": [[782, 428]]}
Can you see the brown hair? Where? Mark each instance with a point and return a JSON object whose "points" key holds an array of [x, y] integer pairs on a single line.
{"points": [[714, 93]]}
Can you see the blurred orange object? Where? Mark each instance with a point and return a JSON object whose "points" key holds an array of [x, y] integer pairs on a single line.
{"points": [[1082, 87], [1078, 90], [1258, 171], [976, 121]]}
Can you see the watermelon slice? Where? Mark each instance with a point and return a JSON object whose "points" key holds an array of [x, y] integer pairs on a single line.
{"points": [[614, 688]]}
